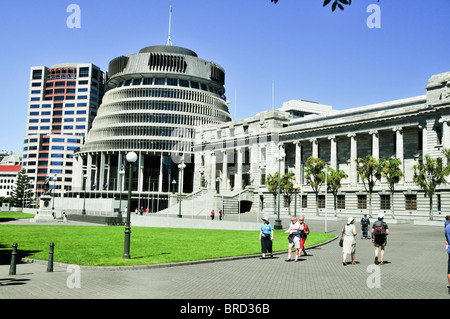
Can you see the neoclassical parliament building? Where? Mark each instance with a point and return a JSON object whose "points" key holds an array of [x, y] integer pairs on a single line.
{"points": [[169, 107]]}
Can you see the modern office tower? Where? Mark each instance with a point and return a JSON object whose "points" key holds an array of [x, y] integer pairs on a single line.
{"points": [[63, 101], [155, 101]]}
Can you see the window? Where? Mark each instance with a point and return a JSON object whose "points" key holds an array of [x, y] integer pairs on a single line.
{"points": [[37, 74], [340, 201], [362, 201], [160, 81], [411, 202], [321, 201], [35, 91], [385, 202], [58, 140], [84, 72], [305, 201]]}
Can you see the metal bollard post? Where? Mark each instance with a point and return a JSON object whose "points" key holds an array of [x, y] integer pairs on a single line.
{"points": [[12, 267], [50, 258]]}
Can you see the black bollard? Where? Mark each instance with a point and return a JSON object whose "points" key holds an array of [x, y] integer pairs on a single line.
{"points": [[50, 258], [12, 267]]}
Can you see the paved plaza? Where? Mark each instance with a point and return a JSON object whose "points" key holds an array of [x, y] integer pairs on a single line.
{"points": [[415, 268]]}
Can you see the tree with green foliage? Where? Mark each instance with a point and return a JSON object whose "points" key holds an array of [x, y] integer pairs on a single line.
{"points": [[336, 3], [429, 175], [22, 191], [272, 186], [315, 176], [369, 172], [390, 169], [287, 188], [334, 179]]}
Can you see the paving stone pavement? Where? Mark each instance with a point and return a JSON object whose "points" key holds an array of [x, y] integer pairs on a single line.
{"points": [[415, 268]]}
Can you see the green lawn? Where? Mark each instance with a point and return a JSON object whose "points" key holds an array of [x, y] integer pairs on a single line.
{"points": [[103, 245], [4, 216]]}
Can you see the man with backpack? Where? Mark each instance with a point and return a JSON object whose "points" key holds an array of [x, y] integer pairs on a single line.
{"points": [[380, 230]]}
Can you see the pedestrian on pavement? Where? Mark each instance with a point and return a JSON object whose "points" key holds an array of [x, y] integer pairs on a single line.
{"points": [[447, 242], [220, 215], [365, 223], [212, 214], [349, 246], [146, 211], [380, 230], [266, 237], [294, 238], [447, 220], [304, 232], [64, 217]]}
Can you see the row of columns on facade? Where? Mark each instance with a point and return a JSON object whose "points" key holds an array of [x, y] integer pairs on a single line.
{"points": [[257, 165]]}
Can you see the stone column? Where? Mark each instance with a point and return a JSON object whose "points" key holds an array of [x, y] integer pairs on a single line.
{"points": [[102, 171], [160, 178], [399, 142], [353, 157], [375, 144], [238, 176], [333, 152], [298, 162], [224, 183], [445, 131], [212, 181], [140, 184], [88, 171], [315, 147]]}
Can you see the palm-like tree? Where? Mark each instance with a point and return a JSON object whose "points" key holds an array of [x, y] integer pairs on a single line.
{"points": [[334, 183], [315, 176], [429, 174], [390, 169], [369, 172]]}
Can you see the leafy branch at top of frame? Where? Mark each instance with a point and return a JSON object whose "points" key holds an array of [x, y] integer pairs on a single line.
{"points": [[336, 3]]}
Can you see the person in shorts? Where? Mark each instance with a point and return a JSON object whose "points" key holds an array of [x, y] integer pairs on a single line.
{"points": [[380, 230], [294, 238]]}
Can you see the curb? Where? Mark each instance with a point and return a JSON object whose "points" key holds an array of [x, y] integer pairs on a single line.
{"points": [[167, 265]]}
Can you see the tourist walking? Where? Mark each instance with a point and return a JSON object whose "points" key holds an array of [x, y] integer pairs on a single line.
{"points": [[212, 214], [64, 217], [266, 237], [304, 232], [294, 238], [365, 223], [220, 215], [349, 246], [380, 230]]}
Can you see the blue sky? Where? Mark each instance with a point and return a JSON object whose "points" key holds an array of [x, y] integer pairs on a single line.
{"points": [[306, 51]]}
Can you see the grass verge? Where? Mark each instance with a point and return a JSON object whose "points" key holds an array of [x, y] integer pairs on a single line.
{"points": [[103, 245]]}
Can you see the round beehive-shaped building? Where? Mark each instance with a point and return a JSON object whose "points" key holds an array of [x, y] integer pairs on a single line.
{"points": [[155, 100]]}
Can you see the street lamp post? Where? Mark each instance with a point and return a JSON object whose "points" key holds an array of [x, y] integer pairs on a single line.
{"points": [[83, 212], [279, 157], [121, 174], [131, 158], [181, 167], [174, 182]]}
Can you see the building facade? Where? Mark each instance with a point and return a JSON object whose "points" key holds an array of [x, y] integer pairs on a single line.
{"points": [[236, 157], [155, 101], [63, 101]]}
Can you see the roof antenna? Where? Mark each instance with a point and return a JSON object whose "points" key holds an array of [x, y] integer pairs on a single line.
{"points": [[169, 41]]}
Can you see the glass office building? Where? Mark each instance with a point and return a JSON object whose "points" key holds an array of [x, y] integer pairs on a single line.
{"points": [[63, 101]]}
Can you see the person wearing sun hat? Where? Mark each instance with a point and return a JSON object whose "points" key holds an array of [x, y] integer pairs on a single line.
{"points": [[349, 246], [266, 237]]}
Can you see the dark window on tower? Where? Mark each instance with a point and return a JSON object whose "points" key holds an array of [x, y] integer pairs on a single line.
{"points": [[37, 74], [84, 72]]}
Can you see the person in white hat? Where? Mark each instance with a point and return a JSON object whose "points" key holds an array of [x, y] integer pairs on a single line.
{"points": [[380, 230], [266, 237], [349, 246]]}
